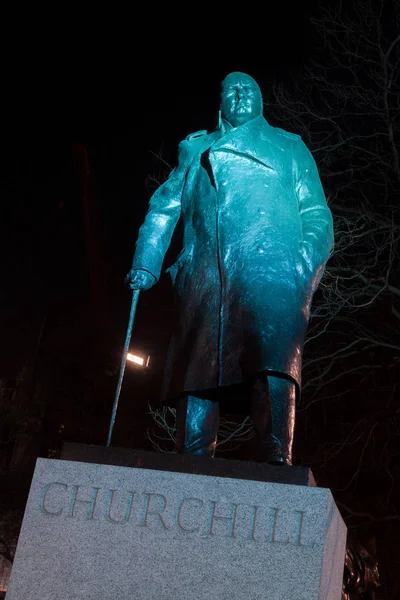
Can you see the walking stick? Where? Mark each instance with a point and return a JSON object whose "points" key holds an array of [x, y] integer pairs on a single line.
{"points": [[135, 297]]}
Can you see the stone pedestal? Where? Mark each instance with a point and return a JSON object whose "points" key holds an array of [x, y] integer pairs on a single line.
{"points": [[105, 532]]}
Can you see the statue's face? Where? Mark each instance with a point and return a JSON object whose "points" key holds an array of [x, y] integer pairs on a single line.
{"points": [[241, 99]]}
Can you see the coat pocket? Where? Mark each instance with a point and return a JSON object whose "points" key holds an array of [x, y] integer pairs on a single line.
{"points": [[303, 271], [308, 276], [183, 257]]}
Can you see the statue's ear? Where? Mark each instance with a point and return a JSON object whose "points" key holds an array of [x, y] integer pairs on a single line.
{"points": [[219, 119]]}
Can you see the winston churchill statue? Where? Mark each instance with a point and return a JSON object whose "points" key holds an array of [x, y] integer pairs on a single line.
{"points": [[257, 235]]}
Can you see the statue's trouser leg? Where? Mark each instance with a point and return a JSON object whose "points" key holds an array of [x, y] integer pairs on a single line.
{"points": [[197, 423], [273, 414]]}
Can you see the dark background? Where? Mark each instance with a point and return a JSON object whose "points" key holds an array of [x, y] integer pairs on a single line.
{"points": [[94, 104]]}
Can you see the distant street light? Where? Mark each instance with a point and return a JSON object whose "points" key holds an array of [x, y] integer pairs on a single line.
{"points": [[138, 360]]}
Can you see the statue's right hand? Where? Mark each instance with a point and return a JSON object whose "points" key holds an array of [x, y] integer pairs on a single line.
{"points": [[139, 279]]}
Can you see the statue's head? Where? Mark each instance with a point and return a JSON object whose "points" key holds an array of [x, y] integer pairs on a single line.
{"points": [[241, 99]]}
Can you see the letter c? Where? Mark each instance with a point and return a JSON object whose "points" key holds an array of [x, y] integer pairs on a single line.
{"points": [[179, 516], [45, 490]]}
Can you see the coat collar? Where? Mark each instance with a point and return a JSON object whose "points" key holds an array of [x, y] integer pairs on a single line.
{"points": [[255, 139]]}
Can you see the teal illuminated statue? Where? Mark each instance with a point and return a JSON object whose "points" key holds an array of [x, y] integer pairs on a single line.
{"points": [[257, 235]]}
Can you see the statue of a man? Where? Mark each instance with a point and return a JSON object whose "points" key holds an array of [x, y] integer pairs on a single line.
{"points": [[257, 235]]}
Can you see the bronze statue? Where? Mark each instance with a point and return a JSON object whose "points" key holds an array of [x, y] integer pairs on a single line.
{"points": [[257, 235]]}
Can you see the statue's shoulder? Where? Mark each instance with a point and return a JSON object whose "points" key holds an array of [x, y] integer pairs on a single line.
{"points": [[196, 135], [192, 144], [288, 134]]}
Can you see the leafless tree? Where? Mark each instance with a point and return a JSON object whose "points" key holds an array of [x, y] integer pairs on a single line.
{"points": [[232, 432], [346, 107]]}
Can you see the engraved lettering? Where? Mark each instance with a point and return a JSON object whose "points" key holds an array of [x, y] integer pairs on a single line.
{"points": [[179, 518], [91, 502], [253, 523], [148, 512], [45, 491], [272, 534], [299, 533], [225, 519], [128, 510], [231, 519]]}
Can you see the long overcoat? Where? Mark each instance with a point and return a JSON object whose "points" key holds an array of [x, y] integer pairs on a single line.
{"points": [[257, 235]]}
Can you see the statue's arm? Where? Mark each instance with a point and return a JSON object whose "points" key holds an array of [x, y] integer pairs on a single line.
{"points": [[160, 221], [315, 215]]}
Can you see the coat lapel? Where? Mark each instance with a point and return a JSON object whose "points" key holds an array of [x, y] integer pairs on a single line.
{"points": [[251, 140]]}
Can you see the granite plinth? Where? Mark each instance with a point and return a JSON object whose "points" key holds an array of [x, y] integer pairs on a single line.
{"points": [[99, 532]]}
